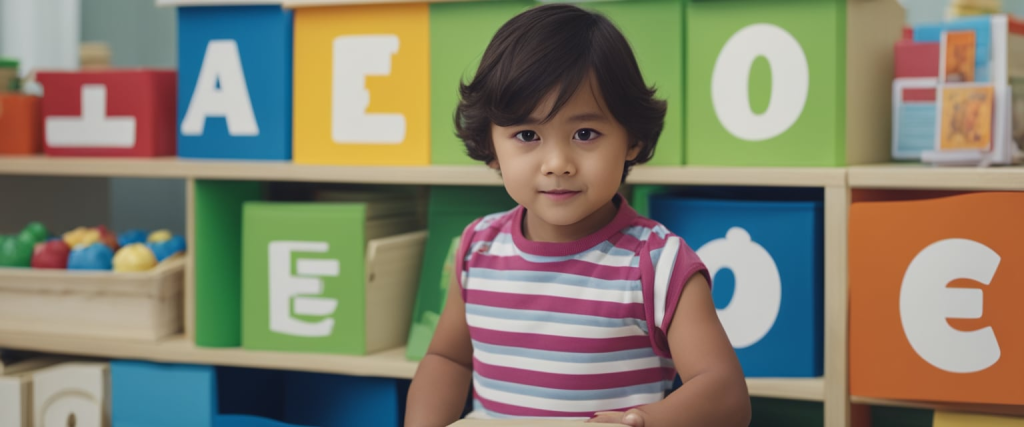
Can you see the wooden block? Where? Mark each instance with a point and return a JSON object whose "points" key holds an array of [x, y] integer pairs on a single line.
{"points": [[934, 299], [362, 85], [109, 113], [72, 394]]}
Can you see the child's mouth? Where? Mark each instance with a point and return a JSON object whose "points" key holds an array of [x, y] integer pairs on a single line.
{"points": [[560, 195]]}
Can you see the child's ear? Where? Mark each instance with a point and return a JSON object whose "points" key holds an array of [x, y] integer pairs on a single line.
{"points": [[634, 151], [493, 164]]}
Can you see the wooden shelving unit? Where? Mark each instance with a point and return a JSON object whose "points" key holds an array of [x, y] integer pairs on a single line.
{"points": [[386, 364], [831, 389]]}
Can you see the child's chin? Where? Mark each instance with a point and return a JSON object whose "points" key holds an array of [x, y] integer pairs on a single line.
{"points": [[561, 216]]}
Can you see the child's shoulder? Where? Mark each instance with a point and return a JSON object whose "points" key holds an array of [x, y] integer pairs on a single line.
{"points": [[489, 226], [652, 234]]}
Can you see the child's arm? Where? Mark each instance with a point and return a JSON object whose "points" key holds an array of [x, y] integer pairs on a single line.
{"points": [[439, 389], [714, 392]]}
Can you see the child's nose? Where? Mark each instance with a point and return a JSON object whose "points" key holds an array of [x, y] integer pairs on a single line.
{"points": [[558, 161]]}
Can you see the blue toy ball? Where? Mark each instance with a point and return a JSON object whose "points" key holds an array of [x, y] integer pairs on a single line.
{"points": [[167, 248], [96, 256], [132, 236]]}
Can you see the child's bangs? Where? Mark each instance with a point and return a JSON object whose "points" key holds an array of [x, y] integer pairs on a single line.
{"points": [[523, 93]]}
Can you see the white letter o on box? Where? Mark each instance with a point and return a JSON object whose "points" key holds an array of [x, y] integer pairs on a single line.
{"points": [[730, 82]]}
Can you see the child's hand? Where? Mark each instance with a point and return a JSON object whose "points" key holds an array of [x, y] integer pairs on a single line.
{"points": [[632, 418]]}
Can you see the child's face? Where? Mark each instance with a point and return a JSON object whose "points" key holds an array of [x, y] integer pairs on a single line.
{"points": [[566, 169]]}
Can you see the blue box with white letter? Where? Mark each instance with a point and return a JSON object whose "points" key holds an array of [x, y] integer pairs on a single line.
{"points": [[764, 250], [235, 82]]}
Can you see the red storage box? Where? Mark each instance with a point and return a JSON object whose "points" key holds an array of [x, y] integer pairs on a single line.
{"points": [[129, 113]]}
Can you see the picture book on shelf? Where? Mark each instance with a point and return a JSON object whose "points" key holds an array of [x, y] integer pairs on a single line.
{"points": [[966, 120]]}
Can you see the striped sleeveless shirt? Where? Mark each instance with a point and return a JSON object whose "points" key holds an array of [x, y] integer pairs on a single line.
{"points": [[563, 330]]}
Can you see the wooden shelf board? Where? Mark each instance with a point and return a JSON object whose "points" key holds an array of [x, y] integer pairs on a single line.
{"points": [[313, 3], [386, 364], [174, 3], [739, 176], [925, 177], [810, 389], [1011, 410], [173, 167]]}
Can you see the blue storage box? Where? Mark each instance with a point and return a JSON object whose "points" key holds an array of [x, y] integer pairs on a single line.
{"points": [[765, 257], [160, 395], [235, 82]]}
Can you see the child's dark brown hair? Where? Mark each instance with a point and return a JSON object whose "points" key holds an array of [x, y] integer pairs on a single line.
{"points": [[551, 47]]}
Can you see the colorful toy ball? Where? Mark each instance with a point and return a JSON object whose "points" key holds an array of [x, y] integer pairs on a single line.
{"points": [[159, 236], [96, 256], [132, 236], [134, 257]]}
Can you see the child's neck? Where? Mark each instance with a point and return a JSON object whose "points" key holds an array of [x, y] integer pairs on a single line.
{"points": [[537, 230]]}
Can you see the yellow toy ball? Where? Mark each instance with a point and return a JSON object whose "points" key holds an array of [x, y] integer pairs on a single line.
{"points": [[82, 236], [134, 257], [159, 236]]}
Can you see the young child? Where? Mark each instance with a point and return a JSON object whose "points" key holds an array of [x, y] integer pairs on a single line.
{"points": [[571, 304]]}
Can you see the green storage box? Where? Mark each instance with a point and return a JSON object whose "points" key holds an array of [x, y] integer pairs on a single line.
{"points": [[459, 34], [330, 277], [451, 210], [790, 82], [655, 30]]}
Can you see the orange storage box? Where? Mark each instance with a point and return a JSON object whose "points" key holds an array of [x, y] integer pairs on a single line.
{"points": [[935, 296]]}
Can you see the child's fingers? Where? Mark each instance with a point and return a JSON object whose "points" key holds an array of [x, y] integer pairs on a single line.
{"points": [[633, 418], [608, 417]]}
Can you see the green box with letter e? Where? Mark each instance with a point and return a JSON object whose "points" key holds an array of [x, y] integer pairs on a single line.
{"points": [[311, 281]]}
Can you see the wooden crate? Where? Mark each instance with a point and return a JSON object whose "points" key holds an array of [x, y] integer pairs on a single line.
{"points": [[102, 304]]}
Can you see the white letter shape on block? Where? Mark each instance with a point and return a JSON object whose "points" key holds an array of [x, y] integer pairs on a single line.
{"points": [[730, 82], [356, 57], [757, 296], [284, 287], [93, 129], [13, 390], [221, 91], [74, 390], [926, 302]]}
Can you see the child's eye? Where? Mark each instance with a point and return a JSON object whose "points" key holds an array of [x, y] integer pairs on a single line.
{"points": [[586, 135], [526, 136]]}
